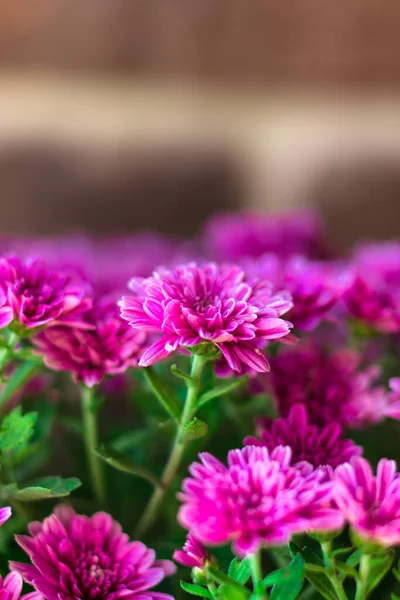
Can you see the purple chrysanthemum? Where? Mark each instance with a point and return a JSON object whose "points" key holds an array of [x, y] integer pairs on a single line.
{"points": [[193, 553], [371, 504], [258, 499], [39, 296], [107, 346], [319, 446], [5, 514], [11, 588], [316, 287], [207, 303], [374, 296], [333, 386], [77, 557], [235, 236]]}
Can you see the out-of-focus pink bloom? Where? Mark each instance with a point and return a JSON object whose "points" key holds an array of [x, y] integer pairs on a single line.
{"points": [[207, 303], [334, 387], [392, 408], [371, 504], [6, 312], [319, 446], [316, 287], [5, 514], [374, 296], [39, 296], [107, 347], [257, 500], [11, 588], [107, 262], [234, 236], [193, 553], [74, 556]]}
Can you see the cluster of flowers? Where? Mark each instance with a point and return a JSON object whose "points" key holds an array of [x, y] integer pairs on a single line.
{"points": [[246, 284]]}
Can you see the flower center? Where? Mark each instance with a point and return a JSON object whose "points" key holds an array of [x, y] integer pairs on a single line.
{"points": [[94, 575]]}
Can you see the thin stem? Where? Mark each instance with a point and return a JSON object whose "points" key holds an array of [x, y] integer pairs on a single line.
{"points": [[212, 589], [329, 562], [256, 572], [361, 593], [7, 351], [178, 449], [90, 433]]}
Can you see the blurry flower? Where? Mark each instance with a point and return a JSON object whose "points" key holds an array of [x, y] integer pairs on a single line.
{"points": [[11, 588], [258, 499], [316, 445], [371, 504], [107, 347], [5, 514], [207, 303], [374, 296], [333, 386], [39, 296], [392, 408], [316, 287], [234, 236], [6, 312], [74, 556], [193, 553]]}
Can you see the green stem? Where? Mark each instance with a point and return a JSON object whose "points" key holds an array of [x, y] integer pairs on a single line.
{"points": [[256, 572], [212, 589], [178, 449], [329, 562], [90, 433], [7, 352], [361, 593]]}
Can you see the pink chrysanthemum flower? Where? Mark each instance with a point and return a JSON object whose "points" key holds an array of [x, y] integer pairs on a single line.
{"points": [[5, 514], [207, 303], [234, 236], [11, 588], [374, 296], [392, 408], [39, 296], [193, 553], [258, 499], [316, 287], [78, 557], [108, 346], [333, 386], [371, 504], [319, 446]]}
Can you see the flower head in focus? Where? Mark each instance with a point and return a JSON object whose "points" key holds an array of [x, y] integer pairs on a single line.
{"points": [[334, 387], [107, 346], [193, 553], [319, 446], [233, 237], [11, 588], [257, 500], [38, 296], [74, 556], [370, 503], [192, 304]]}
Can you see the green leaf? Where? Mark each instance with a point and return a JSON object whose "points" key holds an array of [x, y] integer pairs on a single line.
{"points": [[379, 565], [394, 597], [162, 391], [227, 592], [196, 590], [194, 430], [47, 487], [240, 570], [354, 558], [221, 390], [288, 581], [347, 570], [16, 431], [340, 551], [221, 578], [124, 463], [314, 572], [20, 376], [182, 375]]}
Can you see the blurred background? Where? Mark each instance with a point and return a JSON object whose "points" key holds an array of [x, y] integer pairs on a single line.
{"points": [[120, 114]]}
